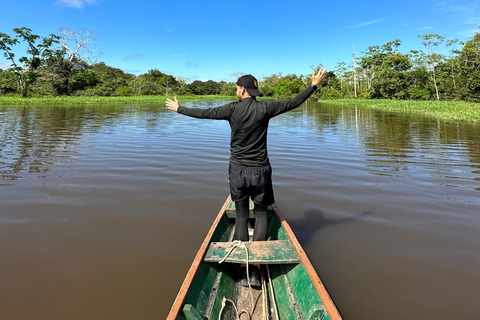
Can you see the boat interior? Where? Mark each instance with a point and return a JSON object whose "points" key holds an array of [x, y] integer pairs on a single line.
{"points": [[286, 291]]}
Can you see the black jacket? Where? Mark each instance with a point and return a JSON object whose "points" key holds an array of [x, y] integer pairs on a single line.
{"points": [[249, 123]]}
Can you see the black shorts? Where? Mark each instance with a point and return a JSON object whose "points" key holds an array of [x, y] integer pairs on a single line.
{"points": [[254, 182]]}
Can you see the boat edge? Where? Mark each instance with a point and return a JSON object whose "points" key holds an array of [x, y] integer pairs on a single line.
{"points": [[314, 277], [318, 284], [179, 300]]}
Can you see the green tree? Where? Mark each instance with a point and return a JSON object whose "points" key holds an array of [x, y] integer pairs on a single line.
{"points": [[25, 69], [76, 54], [288, 86], [470, 69], [154, 82], [340, 72], [213, 88], [391, 82], [419, 84], [83, 80], [267, 84], [167, 83], [100, 80], [7, 82], [331, 81], [330, 87], [432, 42], [124, 91], [197, 87], [453, 61], [209, 87], [228, 88], [143, 85], [58, 71], [371, 62], [418, 74]]}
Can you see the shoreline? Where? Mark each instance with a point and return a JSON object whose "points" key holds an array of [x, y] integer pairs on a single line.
{"points": [[105, 100], [443, 110]]}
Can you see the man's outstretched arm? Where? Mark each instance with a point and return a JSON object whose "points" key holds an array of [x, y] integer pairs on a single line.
{"points": [[279, 107], [219, 113], [317, 79]]}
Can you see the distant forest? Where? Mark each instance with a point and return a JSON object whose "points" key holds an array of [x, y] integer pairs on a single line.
{"points": [[67, 65]]}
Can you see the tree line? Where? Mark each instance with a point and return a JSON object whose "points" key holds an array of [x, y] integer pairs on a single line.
{"points": [[384, 72], [67, 64]]}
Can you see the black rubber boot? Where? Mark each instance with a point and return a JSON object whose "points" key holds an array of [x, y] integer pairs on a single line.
{"points": [[255, 276], [243, 277]]}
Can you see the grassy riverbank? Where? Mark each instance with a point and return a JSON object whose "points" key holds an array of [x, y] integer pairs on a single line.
{"points": [[443, 110], [105, 100]]}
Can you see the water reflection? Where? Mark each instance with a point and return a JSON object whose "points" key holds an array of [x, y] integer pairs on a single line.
{"points": [[33, 139], [383, 202], [404, 145]]}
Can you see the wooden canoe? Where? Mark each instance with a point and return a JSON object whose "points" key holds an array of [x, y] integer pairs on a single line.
{"points": [[291, 287]]}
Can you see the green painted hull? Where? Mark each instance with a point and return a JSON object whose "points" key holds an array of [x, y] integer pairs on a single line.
{"points": [[290, 290]]}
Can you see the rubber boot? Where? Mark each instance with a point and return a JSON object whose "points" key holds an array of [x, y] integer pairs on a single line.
{"points": [[243, 277], [255, 276]]}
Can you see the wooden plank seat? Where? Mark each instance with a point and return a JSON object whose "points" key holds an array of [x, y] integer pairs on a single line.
{"points": [[259, 252]]}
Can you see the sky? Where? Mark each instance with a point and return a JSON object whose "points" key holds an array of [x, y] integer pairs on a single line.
{"points": [[214, 40]]}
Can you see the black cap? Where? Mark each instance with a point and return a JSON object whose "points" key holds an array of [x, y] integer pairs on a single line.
{"points": [[250, 83]]}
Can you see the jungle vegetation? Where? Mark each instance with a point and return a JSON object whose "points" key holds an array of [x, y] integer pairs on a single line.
{"points": [[67, 65]]}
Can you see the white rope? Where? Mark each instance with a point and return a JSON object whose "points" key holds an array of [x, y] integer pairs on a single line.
{"points": [[239, 244], [236, 243], [223, 306]]}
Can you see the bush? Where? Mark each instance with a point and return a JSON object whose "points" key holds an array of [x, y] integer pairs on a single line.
{"points": [[124, 91], [418, 94], [97, 91], [329, 94]]}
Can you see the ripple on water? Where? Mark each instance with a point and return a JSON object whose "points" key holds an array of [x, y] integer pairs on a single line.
{"points": [[388, 203]]}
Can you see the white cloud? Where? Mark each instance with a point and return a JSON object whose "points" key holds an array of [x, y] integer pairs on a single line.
{"points": [[135, 72], [368, 23], [466, 12], [77, 4], [468, 33], [458, 6], [428, 27], [5, 65], [132, 56]]}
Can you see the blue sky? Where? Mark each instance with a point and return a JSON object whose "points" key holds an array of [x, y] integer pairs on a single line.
{"points": [[213, 40]]}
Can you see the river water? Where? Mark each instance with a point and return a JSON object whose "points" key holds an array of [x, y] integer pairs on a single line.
{"points": [[103, 208]]}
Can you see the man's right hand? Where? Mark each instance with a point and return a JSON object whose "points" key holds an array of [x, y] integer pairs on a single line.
{"points": [[318, 78]]}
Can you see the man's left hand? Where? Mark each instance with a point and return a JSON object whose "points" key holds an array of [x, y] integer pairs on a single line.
{"points": [[173, 105]]}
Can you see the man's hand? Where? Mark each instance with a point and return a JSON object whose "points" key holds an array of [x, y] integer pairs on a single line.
{"points": [[318, 78], [173, 105]]}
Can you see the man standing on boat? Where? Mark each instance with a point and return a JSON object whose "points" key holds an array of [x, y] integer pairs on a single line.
{"points": [[250, 173]]}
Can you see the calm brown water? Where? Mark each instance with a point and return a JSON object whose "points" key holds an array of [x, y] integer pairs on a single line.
{"points": [[103, 208]]}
